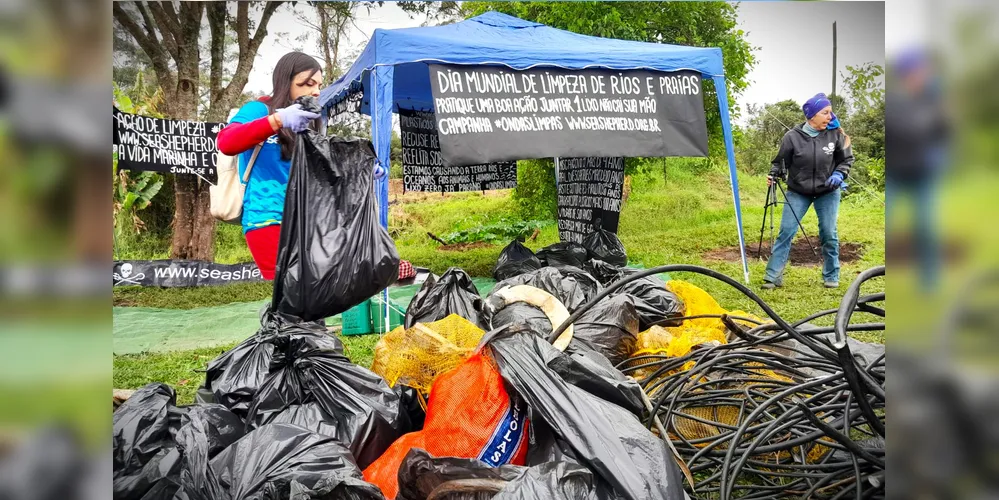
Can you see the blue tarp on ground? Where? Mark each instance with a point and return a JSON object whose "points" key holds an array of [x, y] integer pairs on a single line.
{"points": [[393, 71]]}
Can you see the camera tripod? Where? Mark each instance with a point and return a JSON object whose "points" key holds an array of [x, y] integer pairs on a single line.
{"points": [[768, 208]]}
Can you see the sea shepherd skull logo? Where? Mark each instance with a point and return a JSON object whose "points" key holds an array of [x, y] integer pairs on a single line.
{"points": [[125, 276]]}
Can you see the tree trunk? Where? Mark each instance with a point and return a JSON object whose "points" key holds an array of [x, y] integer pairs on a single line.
{"points": [[194, 226], [168, 30]]}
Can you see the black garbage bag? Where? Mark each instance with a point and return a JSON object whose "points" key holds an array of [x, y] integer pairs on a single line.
{"points": [[154, 441], [571, 286], [453, 293], [593, 372], [610, 327], [561, 254], [333, 252], [556, 481], [584, 280], [282, 461], [546, 446], [515, 259], [410, 400], [605, 273], [608, 440], [606, 246], [235, 376], [520, 312], [296, 373], [655, 304], [420, 474]]}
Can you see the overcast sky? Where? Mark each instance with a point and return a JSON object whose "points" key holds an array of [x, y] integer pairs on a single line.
{"points": [[794, 59]]}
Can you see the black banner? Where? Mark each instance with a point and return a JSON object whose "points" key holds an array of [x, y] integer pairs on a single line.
{"points": [[424, 168], [491, 113], [350, 102], [182, 273], [589, 192], [175, 146]]}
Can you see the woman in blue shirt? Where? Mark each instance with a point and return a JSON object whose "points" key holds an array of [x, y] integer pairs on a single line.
{"points": [[272, 121]]}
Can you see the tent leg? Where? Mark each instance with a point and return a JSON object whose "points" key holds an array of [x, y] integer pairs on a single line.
{"points": [[720, 89], [381, 137]]}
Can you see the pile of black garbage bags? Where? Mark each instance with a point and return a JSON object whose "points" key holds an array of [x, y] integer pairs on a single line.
{"points": [[286, 415], [572, 272]]}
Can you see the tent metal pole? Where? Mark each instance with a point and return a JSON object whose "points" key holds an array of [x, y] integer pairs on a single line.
{"points": [[720, 89], [381, 135]]}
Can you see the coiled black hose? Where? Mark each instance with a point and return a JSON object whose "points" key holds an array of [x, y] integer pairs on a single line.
{"points": [[800, 419]]}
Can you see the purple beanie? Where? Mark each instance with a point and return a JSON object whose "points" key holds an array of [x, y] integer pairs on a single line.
{"points": [[815, 104]]}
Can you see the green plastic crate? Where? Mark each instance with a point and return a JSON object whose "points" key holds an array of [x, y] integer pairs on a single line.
{"points": [[397, 314], [357, 320]]}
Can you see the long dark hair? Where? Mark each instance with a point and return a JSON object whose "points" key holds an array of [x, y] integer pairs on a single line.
{"points": [[287, 67]]}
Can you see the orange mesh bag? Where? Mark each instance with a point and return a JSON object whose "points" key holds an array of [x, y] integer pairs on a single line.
{"points": [[469, 415]]}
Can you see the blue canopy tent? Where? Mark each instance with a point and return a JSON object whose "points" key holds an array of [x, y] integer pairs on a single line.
{"points": [[393, 72]]}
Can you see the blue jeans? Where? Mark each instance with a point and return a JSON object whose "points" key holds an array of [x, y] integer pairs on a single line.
{"points": [[827, 209], [922, 193]]}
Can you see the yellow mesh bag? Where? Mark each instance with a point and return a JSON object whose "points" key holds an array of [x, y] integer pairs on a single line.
{"points": [[675, 341], [700, 429], [697, 302], [416, 356]]}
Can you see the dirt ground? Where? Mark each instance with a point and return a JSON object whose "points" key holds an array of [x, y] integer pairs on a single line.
{"points": [[801, 253]]}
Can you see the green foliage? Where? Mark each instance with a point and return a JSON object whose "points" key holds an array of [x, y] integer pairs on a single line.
{"points": [[230, 245], [190, 298], [136, 193], [867, 130], [535, 194], [350, 125], [435, 13], [184, 373], [185, 370], [876, 172], [503, 231], [866, 120], [395, 172], [867, 176], [133, 192], [865, 85], [761, 139]]}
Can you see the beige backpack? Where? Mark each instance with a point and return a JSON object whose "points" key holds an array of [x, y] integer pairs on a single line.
{"points": [[226, 197]]}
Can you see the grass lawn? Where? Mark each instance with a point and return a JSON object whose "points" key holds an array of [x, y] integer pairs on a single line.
{"points": [[672, 220]]}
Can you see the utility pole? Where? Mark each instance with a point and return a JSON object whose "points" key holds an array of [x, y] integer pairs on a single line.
{"points": [[834, 60]]}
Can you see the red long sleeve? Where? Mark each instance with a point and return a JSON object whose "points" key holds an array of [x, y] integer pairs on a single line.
{"points": [[236, 138]]}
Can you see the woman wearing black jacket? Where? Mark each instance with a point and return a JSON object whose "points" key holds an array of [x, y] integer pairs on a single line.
{"points": [[817, 157]]}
